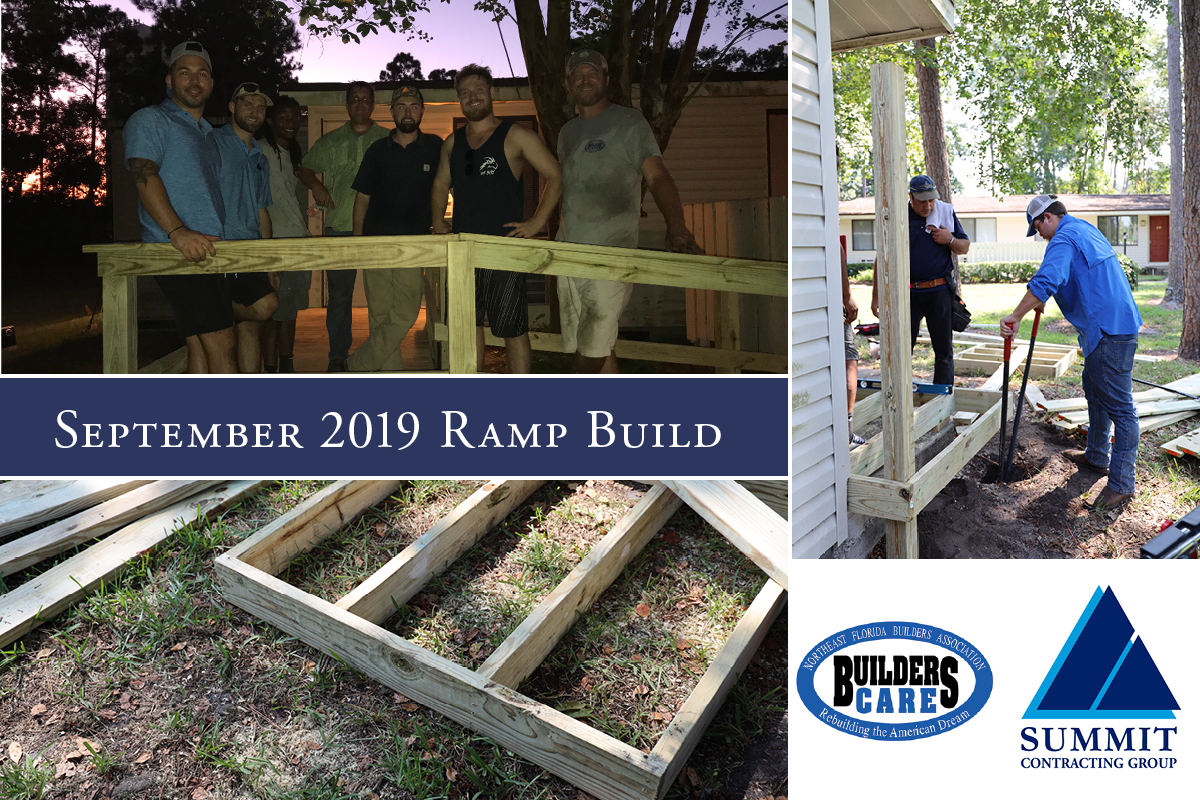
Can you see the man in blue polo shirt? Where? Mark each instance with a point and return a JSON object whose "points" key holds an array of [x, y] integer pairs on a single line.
{"points": [[934, 236], [176, 168], [246, 189], [1081, 271], [393, 189]]}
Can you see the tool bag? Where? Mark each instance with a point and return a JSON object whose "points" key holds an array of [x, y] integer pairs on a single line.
{"points": [[960, 315]]}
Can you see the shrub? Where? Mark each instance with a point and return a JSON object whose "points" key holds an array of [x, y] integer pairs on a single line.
{"points": [[998, 271], [1130, 268], [860, 271]]}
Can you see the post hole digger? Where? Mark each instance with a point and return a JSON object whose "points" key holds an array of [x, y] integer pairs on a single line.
{"points": [[1006, 458]]}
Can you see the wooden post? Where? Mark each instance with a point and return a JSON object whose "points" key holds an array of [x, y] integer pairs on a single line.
{"points": [[891, 223], [120, 324], [460, 317]]}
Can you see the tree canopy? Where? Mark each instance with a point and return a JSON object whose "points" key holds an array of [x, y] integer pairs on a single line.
{"points": [[402, 67]]}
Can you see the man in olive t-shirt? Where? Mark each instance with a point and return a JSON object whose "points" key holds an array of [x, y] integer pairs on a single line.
{"points": [[605, 153], [338, 155]]}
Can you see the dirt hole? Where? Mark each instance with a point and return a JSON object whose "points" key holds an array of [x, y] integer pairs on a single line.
{"points": [[1018, 471]]}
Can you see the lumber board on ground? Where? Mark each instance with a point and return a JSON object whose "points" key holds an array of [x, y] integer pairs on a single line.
{"points": [[527, 646], [867, 458], [773, 493], [689, 724], [1188, 444], [652, 351], [934, 476], [275, 255], [597, 763], [24, 504], [94, 522], [996, 381], [1150, 409], [378, 597], [43, 597], [172, 363], [1033, 396], [1147, 424], [722, 274], [1188, 385], [743, 519], [310, 523]]}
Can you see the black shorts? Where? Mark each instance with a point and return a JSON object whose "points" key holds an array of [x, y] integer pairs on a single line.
{"points": [[247, 288], [501, 296], [199, 303]]}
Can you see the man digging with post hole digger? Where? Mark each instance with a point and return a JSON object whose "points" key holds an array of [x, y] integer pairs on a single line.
{"points": [[1080, 270]]}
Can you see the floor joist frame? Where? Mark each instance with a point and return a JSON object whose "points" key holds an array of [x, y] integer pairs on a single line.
{"points": [[485, 700]]}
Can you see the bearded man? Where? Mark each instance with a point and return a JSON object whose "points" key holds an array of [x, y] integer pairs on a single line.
{"points": [[483, 163]]}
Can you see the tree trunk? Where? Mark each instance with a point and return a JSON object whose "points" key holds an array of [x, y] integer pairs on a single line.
{"points": [[544, 42], [1175, 271], [1189, 199], [933, 129]]}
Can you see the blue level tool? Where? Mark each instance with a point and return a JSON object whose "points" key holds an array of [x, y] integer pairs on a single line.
{"points": [[919, 388]]}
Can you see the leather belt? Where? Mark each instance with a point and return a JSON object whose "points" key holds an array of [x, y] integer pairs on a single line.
{"points": [[928, 284]]}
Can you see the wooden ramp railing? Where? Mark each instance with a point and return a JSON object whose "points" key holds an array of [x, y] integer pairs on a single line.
{"points": [[459, 255]]}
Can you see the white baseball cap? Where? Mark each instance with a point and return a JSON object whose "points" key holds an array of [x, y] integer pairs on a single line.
{"points": [[1037, 207]]}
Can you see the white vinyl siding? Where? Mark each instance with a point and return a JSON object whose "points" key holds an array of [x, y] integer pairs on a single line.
{"points": [[820, 454]]}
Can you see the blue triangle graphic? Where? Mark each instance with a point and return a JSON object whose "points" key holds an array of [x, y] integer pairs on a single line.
{"points": [[1101, 674]]}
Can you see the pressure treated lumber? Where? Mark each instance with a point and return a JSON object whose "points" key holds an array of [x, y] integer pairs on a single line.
{"points": [[630, 266], [1016, 362], [378, 597], [774, 494], [24, 504], [274, 255], [652, 351], [94, 522], [867, 458], [45, 596], [172, 363], [527, 646], [1188, 444], [310, 523], [867, 410], [689, 724], [934, 476], [1147, 424], [880, 497], [120, 323], [565, 746], [743, 519], [460, 282], [891, 214]]}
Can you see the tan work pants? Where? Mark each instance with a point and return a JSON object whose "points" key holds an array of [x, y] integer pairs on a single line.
{"points": [[393, 304]]}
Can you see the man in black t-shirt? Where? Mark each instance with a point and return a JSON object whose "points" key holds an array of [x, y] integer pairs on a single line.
{"points": [[934, 233], [394, 183]]}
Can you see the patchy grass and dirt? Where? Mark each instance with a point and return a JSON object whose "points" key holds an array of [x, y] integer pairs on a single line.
{"points": [[1040, 513], [157, 687]]}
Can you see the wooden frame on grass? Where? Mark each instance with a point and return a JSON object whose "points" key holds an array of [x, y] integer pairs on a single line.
{"points": [[485, 700]]}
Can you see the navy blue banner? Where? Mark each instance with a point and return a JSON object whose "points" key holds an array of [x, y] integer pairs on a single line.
{"points": [[395, 427]]}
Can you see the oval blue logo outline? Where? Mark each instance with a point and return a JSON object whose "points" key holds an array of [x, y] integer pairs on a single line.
{"points": [[891, 732], [594, 146]]}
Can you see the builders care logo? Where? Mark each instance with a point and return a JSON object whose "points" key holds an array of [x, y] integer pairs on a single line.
{"points": [[1103, 674], [894, 681]]}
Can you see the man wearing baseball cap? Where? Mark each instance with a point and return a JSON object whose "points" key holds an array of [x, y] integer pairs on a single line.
{"points": [[246, 191], [394, 185], [934, 237], [605, 153], [176, 166], [1081, 271]]}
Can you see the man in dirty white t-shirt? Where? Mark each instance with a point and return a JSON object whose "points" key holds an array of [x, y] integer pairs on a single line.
{"points": [[605, 153]]}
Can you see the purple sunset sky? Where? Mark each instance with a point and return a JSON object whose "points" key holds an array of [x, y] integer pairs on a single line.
{"points": [[459, 35]]}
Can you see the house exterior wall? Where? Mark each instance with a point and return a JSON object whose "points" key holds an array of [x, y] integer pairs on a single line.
{"points": [[1012, 228], [820, 453]]}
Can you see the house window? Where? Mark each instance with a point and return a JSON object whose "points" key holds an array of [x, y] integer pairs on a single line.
{"points": [[1118, 229], [862, 234], [980, 229]]}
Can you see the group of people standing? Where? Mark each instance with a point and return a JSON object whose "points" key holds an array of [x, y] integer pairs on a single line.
{"points": [[198, 185]]}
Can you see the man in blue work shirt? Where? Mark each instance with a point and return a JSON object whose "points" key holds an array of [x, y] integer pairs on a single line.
{"points": [[246, 190], [934, 236], [176, 165], [1080, 269]]}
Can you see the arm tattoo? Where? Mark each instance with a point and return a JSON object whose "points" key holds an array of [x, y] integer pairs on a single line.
{"points": [[142, 169]]}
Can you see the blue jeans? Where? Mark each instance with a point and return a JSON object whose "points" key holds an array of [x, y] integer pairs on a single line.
{"points": [[1108, 387], [339, 314]]}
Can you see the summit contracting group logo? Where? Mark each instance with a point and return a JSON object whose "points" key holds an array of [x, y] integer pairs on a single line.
{"points": [[1104, 672], [894, 681]]}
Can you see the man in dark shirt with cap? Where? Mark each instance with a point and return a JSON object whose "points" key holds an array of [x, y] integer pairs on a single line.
{"points": [[934, 234], [394, 186]]}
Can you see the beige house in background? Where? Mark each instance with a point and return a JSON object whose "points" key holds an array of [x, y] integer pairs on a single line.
{"points": [[1137, 225]]}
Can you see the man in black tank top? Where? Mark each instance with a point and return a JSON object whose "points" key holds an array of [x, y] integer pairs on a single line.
{"points": [[482, 163]]}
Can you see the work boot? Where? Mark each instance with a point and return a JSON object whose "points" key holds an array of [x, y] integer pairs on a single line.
{"points": [[1107, 499], [337, 365], [1080, 458], [287, 364]]}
